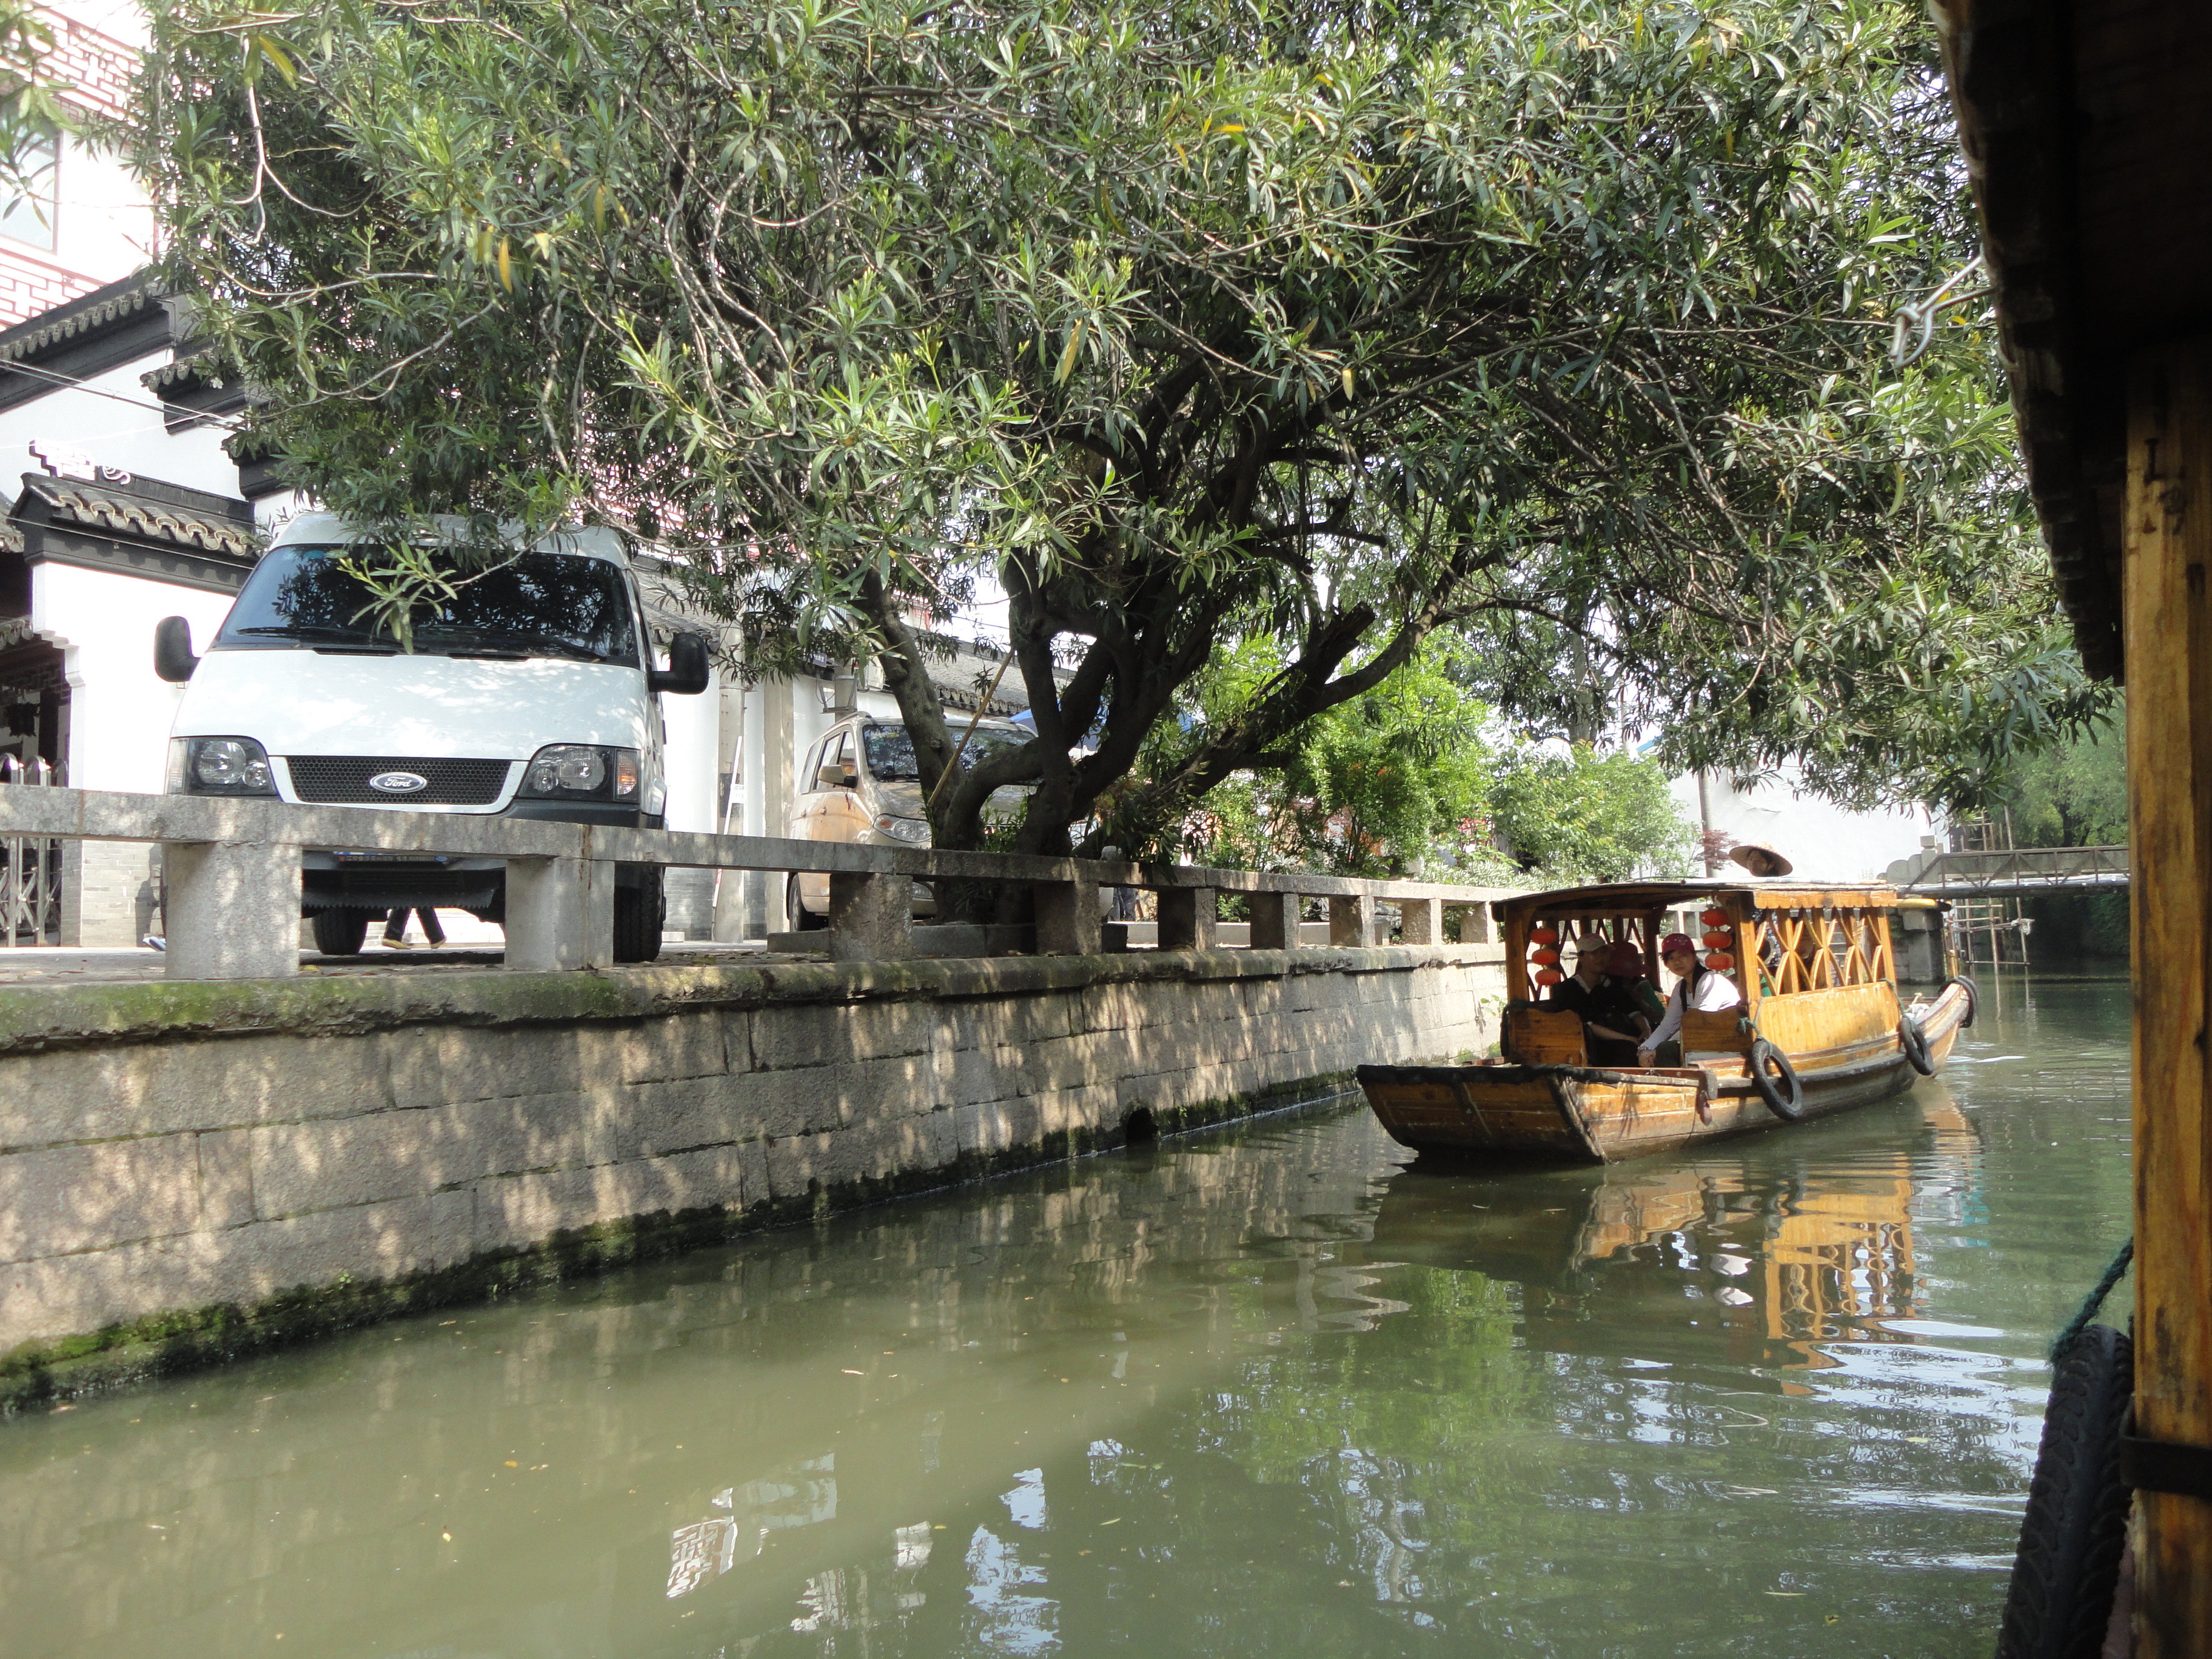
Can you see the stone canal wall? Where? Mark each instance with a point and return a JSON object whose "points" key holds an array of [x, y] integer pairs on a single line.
{"points": [[190, 1170]]}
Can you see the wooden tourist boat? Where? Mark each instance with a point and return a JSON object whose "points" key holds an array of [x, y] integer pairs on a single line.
{"points": [[1821, 1027]]}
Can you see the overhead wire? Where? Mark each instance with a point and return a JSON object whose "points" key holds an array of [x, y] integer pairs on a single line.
{"points": [[161, 406]]}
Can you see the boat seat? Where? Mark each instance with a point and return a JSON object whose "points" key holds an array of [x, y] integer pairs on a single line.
{"points": [[1719, 1032], [1546, 1036]]}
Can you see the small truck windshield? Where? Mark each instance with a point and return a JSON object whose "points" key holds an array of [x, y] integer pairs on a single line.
{"points": [[890, 750], [537, 605]]}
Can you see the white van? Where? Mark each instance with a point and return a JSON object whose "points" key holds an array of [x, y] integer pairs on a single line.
{"points": [[529, 693]]}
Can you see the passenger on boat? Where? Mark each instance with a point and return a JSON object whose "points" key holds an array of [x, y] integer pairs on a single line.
{"points": [[1609, 1016], [1696, 986], [1626, 970]]}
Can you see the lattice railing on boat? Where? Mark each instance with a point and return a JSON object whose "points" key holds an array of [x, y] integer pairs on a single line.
{"points": [[1817, 950]]}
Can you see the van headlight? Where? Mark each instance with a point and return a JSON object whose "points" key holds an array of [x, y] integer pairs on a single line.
{"points": [[574, 771], [219, 766], [913, 830]]}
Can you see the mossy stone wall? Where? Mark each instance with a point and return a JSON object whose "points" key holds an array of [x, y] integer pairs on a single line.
{"points": [[189, 1171]]}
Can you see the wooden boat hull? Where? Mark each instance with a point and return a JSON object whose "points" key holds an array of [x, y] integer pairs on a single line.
{"points": [[1597, 1114]]}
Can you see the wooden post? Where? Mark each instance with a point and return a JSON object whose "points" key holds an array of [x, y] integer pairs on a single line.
{"points": [[2168, 633], [1743, 928], [1516, 924]]}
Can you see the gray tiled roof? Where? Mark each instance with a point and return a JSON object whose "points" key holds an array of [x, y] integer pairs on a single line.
{"points": [[103, 507], [97, 310]]}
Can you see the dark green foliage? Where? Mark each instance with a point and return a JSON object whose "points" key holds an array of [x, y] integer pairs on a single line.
{"points": [[1189, 324], [2075, 795]]}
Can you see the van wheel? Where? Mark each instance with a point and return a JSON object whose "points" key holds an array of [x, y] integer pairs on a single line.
{"points": [[638, 912], [339, 932], [803, 921]]}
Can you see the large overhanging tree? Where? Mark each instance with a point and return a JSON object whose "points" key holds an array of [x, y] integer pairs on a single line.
{"points": [[1183, 321]]}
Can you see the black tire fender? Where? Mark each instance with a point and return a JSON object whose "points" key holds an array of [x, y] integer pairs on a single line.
{"points": [[1973, 996], [1914, 1041], [1776, 1081], [2071, 1538]]}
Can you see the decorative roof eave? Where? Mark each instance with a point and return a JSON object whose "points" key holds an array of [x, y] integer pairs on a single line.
{"points": [[98, 312], [195, 387], [104, 330], [141, 517]]}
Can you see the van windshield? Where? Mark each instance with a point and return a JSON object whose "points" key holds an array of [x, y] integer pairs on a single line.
{"points": [[539, 604], [891, 751]]}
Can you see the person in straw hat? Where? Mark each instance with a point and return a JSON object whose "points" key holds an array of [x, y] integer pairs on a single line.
{"points": [[1762, 860]]}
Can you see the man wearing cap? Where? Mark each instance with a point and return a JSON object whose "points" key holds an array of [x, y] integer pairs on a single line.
{"points": [[1608, 1017], [1696, 986]]}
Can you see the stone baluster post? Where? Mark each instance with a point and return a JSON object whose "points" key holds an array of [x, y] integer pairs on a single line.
{"points": [[1068, 923], [1186, 918], [871, 917], [1351, 920], [560, 913], [232, 910], [1275, 921]]}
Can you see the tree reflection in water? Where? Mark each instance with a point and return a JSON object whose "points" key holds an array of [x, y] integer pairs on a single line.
{"points": [[1268, 1392]]}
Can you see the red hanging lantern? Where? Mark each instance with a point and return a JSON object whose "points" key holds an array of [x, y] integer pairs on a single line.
{"points": [[1549, 976], [1544, 958], [1719, 961], [1717, 940], [1546, 934], [1713, 918]]}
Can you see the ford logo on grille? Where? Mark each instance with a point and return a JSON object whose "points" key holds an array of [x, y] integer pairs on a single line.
{"points": [[399, 783]]}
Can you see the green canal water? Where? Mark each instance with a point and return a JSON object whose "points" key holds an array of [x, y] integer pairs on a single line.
{"points": [[1278, 1390]]}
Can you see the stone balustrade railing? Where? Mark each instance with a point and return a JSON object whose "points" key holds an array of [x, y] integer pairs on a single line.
{"points": [[232, 881]]}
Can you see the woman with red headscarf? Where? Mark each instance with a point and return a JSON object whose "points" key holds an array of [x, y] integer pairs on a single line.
{"points": [[1696, 986]]}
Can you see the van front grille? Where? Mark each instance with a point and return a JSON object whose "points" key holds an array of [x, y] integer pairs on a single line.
{"points": [[343, 780]]}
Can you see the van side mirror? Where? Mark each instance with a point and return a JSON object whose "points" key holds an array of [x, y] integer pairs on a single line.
{"points": [[172, 650], [687, 670]]}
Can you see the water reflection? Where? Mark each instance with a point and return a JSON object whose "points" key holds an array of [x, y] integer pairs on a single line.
{"points": [[1275, 1391], [1785, 1256]]}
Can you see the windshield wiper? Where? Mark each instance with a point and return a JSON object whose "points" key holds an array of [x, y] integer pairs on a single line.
{"points": [[510, 647], [342, 639]]}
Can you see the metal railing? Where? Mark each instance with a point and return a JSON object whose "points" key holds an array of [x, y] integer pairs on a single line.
{"points": [[2011, 872], [30, 866], [232, 881]]}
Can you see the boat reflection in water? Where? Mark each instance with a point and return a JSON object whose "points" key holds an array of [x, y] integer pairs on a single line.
{"points": [[1779, 1260]]}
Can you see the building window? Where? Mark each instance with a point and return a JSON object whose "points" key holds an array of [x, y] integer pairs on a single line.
{"points": [[29, 195]]}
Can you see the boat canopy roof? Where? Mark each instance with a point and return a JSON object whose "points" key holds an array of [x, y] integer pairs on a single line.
{"points": [[1625, 898]]}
